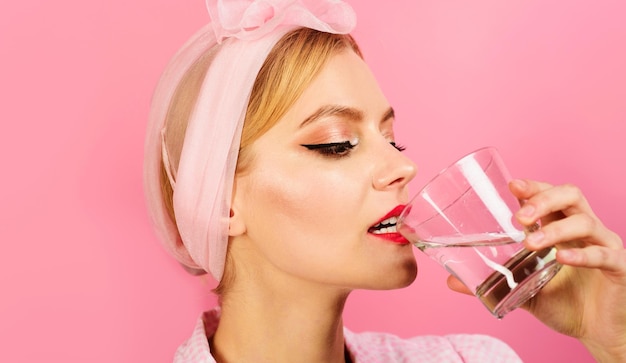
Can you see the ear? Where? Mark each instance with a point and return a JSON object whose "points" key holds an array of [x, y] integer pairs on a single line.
{"points": [[236, 225], [236, 222]]}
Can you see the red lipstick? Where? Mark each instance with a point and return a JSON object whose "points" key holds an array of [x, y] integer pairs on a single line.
{"points": [[385, 227], [393, 213]]}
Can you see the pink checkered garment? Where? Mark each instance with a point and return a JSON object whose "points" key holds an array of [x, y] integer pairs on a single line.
{"points": [[375, 347]]}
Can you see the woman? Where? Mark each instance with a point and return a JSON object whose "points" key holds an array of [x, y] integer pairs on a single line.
{"points": [[271, 163]]}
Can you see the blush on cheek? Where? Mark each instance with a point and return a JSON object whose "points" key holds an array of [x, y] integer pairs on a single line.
{"points": [[300, 205], [286, 219], [284, 196]]}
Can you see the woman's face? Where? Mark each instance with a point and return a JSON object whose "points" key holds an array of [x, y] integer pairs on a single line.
{"points": [[320, 180]]}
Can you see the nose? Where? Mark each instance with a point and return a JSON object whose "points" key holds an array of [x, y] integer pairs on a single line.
{"points": [[394, 170]]}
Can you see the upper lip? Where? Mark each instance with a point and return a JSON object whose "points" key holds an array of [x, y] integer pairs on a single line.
{"points": [[395, 212]]}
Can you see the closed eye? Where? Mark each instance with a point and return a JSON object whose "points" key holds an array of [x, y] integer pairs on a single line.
{"points": [[334, 149]]}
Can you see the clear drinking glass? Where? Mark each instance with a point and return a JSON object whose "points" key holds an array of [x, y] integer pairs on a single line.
{"points": [[463, 219]]}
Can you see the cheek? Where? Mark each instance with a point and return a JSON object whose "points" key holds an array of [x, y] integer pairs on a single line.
{"points": [[299, 209], [302, 196], [283, 196]]}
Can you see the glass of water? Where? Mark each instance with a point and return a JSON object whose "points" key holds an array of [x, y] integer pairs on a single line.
{"points": [[463, 219]]}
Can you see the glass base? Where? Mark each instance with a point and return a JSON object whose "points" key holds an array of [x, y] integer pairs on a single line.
{"points": [[531, 270]]}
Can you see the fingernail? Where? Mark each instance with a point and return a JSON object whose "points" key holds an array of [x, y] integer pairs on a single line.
{"points": [[526, 211], [535, 238]]}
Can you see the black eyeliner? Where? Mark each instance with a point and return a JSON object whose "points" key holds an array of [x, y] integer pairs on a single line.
{"points": [[346, 144]]}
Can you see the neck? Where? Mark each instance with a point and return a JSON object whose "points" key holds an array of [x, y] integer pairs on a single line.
{"points": [[286, 321]]}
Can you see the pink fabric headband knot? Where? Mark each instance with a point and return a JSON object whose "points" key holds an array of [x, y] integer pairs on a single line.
{"points": [[252, 19], [246, 31]]}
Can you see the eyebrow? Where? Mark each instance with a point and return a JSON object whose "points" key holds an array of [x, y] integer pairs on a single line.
{"points": [[390, 114], [349, 113]]}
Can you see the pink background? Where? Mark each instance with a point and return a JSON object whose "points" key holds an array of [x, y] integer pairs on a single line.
{"points": [[83, 278]]}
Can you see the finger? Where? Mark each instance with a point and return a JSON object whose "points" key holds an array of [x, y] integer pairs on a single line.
{"points": [[525, 188], [578, 227], [599, 257], [456, 285], [543, 201]]}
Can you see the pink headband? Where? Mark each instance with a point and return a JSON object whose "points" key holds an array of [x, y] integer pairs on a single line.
{"points": [[246, 31]]}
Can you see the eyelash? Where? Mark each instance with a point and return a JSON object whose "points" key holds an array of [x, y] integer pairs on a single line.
{"points": [[334, 149], [398, 147], [339, 149]]}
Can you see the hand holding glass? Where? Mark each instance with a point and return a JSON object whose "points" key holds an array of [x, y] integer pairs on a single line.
{"points": [[464, 220]]}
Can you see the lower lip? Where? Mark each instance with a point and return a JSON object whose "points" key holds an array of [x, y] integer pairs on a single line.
{"points": [[392, 237]]}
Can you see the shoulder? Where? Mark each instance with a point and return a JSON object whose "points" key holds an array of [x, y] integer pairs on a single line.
{"points": [[482, 348], [196, 348], [377, 347]]}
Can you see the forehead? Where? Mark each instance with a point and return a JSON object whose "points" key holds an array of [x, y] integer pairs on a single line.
{"points": [[345, 81]]}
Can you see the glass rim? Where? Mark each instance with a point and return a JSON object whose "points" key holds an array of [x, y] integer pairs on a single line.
{"points": [[443, 171], [451, 165]]}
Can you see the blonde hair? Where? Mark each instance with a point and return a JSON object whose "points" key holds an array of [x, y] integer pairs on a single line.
{"points": [[289, 68]]}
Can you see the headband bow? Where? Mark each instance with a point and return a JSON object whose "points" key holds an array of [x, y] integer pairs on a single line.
{"points": [[246, 31], [252, 19]]}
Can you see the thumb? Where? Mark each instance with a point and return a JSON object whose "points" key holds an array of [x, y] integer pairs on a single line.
{"points": [[456, 285]]}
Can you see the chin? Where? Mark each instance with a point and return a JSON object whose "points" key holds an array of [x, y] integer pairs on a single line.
{"points": [[408, 275], [401, 277]]}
